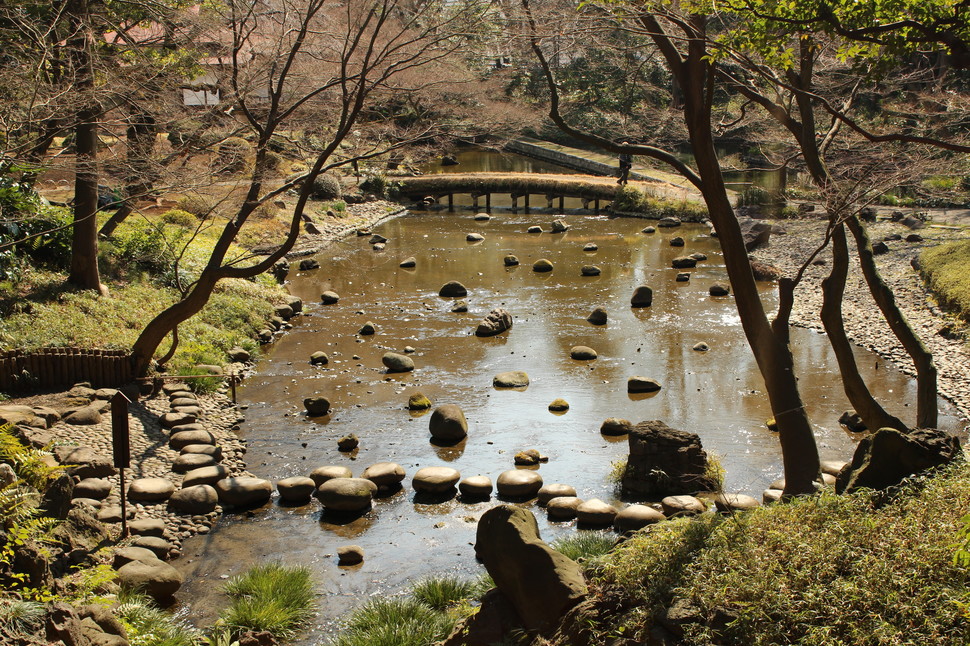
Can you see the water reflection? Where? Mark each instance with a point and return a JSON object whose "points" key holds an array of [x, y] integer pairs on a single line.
{"points": [[717, 394]]}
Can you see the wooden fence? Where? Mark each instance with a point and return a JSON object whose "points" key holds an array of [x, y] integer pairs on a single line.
{"points": [[50, 367]]}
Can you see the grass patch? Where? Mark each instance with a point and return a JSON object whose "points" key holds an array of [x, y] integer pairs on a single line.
{"points": [[425, 616], [631, 200], [399, 621], [584, 545], [46, 313], [825, 570], [272, 597], [946, 269], [438, 593], [147, 625]]}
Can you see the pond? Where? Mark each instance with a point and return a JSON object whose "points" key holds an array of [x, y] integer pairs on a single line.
{"points": [[718, 394]]}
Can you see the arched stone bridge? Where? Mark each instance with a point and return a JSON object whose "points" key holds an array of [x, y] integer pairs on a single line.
{"points": [[527, 187]]}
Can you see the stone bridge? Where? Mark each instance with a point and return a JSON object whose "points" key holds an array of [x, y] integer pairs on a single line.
{"points": [[548, 188]]}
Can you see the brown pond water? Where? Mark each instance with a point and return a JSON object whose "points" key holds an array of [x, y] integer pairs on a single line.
{"points": [[718, 394]]}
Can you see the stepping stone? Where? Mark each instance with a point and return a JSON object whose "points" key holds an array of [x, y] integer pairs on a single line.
{"points": [[147, 527], [324, 473], [296, 489], [159, 546], [542, 266], [582, 353], [319, 358], [178, 441], [563, 507], [596, 512], [448, 423], [614, 426], [169, 420], [195, 500], [550, 491], [125, 555], [735, 502], [203, 449], [519, 483], [476, 487], [346, 494], [435, 479], [96, 488], [190, 461], [350, 555], [244, 491], [205, 475], [634, 517], [511, 379], [682, 506], [157, 579], [642, 297], [384, 474], [642, 385], [453, 289], [150, 490], [597, 317]]}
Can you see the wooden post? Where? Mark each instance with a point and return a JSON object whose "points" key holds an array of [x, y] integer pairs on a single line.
{"points": [[488, 202], [451, 202], [596, 205], [475, 200], [562, 203], [232, 386], [526, 202], [515, 203], [121, 449]]}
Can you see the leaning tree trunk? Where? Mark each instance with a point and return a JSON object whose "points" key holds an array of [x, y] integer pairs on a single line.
{"points": [[770, 347], [927, 406], [833, 291]]}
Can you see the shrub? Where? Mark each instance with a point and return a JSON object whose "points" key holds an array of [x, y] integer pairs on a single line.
{"points": [[270, 597], [375, 185], [179, 218], [866, 568], [326, 186], [198, 205]]}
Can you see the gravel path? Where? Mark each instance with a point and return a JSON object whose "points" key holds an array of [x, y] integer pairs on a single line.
{"points": [[864, 323]]}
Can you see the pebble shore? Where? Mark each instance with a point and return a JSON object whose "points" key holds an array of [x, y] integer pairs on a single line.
{"points": [[864, 323]]}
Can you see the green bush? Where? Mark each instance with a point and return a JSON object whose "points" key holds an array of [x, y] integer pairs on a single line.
{"points": [[866, 568], [326, 186], [374, 185], [179, 218]]}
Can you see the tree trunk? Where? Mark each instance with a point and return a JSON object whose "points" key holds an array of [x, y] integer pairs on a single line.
{"points": [[833, 292], [84, 240], [771, 350], [927, 410], [138, 181]]}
